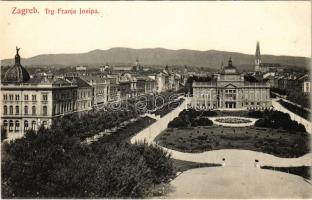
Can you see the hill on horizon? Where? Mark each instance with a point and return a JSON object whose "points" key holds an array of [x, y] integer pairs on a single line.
{"points": [[157, 56]]}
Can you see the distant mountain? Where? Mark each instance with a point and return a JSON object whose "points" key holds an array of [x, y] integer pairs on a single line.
{"points": [[158, 56]]}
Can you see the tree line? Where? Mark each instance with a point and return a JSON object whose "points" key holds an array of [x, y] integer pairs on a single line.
{"points": [[54, 163]]}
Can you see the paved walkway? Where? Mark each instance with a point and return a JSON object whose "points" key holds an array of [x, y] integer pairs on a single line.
{"points": [[237, 157], [231, 182], [233, 157]]}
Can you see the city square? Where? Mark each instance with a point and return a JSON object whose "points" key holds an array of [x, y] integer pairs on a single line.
{"points": [[155, 100]]}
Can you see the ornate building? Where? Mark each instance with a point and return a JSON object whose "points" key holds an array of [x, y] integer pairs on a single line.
{"points": [[229, 90], [28, 103]]}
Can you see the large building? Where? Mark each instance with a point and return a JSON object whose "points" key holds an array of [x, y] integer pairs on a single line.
{"points": [[229, 90], [28, 103]]}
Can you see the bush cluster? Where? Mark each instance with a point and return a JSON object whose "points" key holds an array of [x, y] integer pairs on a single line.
{"points": [[276, 119], [192, 117], [255, 114], [295, 109]]}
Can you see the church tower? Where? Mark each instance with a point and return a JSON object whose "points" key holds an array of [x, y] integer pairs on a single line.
{"points": [[257, 58]]}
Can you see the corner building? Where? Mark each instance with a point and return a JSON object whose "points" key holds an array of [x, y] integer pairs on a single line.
{"points": [[28, 103]]}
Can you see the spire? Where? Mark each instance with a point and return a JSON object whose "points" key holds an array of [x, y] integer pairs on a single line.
{"points": [[17, 57], [222, 65], [257, 57]]}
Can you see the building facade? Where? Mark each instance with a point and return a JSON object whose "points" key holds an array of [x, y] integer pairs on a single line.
{"points": [[229, 90], [28, 103]]}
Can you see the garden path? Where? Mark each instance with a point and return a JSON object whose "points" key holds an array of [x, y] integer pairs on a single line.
{"points": [[233, 157]]}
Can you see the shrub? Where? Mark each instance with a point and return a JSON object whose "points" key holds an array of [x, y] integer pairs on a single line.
{"points": [[158, 160], [202, 121], [177, 123], [255, 114], [276, 119]]}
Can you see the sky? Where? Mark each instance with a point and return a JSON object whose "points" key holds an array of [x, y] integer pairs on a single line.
{"points": [[282, 27]]}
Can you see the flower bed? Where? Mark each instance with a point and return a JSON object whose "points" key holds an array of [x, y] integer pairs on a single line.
{"points": [[233, 120]]}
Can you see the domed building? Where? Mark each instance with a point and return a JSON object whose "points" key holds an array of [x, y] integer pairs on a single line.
{"points": [[17, 73], [229, 90], [28, 103]]}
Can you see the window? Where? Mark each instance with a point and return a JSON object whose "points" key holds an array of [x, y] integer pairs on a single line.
{"points": [[16, 110], [11, 125], [34, 110], [45, 124], [33, 97], [5, 97], [26, 97], [33, 125], [44, 97], [11, 110], [17, 97], [5, 110], [25, 125], [11, 97], [45, 110], [26, 110], [5, 124], [17, 125]]}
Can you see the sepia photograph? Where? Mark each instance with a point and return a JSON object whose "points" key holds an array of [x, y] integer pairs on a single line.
{"points": [[155, 99]]}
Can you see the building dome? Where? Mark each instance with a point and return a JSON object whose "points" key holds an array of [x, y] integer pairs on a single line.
{"points": [[17, 73], [230, 69]]}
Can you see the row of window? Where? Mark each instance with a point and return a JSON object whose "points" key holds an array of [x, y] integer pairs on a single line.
{"points": [[10, 124], [203, 104], [67, 95], [230, 91], [84, 94], [9, 110], [17, 97]]}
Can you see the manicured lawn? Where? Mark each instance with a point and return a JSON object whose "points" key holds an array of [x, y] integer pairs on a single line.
{"points": [[277, 142], [302, 171], [182, 165]]}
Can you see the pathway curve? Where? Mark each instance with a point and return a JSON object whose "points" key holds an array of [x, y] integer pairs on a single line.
{"points": [[232, 182]]}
